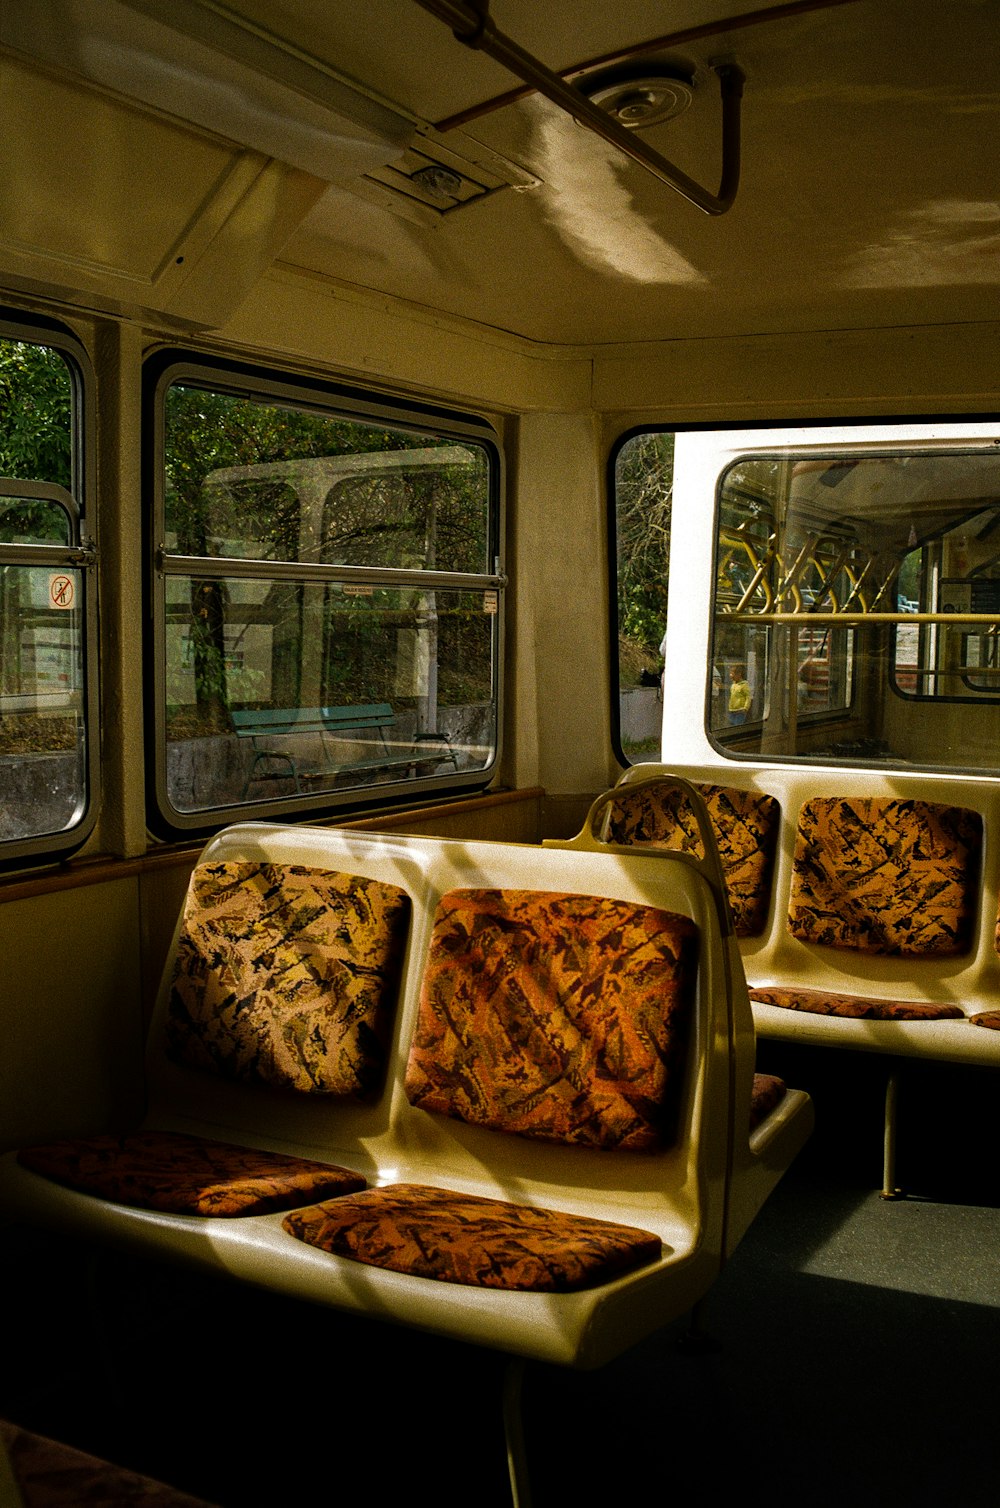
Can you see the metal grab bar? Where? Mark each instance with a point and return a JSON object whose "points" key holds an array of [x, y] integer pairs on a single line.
{"points": [[470, 23]]}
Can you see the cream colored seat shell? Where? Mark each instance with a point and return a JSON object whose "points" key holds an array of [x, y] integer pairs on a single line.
{"points": [[695, 1195]]}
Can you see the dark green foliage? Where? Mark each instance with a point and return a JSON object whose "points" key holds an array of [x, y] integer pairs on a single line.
{"points": [[644, 481], [35, 424], [246, 477]]}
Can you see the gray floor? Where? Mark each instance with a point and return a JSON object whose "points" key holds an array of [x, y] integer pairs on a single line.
{"points": [[856, 1361], [855, 1355]]}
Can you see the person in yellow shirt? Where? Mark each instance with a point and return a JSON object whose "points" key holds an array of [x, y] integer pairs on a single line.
{"points": [[740, 695]]}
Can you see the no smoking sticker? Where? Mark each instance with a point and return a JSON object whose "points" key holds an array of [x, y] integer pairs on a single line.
{"points": [[62, 590]]}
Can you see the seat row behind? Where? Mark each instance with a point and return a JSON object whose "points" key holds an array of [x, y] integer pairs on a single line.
{"points": [[866, 907]]}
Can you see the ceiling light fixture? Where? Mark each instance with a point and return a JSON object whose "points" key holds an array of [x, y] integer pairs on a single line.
{"points": [[637, 102], [470, 23]]}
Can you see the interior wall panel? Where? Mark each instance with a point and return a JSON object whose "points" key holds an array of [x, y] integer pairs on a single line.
{"points": [[70, 1021]]}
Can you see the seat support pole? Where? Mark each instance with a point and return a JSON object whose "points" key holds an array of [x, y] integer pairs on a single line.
{"points": [[696, 1340], [513, 1425], [889, 1189]]}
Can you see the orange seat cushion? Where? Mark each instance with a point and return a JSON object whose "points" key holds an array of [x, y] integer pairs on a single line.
{"points": [[767, 1094], [287, 977], [556, 1016], [462, 1238], [50, 1474], [746, 831], [187, 1175], [862, 1007], [883, 875]]}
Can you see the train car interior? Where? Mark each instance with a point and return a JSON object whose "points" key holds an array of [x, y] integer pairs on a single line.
{"points": [[533, 460]]}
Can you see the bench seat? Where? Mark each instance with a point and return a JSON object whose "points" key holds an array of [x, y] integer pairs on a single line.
{"points": [[855, 1007], [515, 1068], [951, 1040], [880, 913]]}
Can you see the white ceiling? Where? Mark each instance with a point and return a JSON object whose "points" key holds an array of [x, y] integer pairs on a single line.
{"points": [[870, 192]]}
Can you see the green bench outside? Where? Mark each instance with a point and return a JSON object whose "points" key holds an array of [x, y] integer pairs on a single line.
{"points": [[370, 721]]}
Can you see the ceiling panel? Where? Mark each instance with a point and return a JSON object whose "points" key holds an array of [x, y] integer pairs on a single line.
{"points": [[868, 193], [71, 188], [868, 197]]}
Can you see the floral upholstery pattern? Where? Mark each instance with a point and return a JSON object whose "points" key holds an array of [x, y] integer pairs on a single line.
{"points": [[463, 1238], [187, 1175], [989, 1019], [883, 875], [862, 1007], [555, 1016], [768, 1092], [746, 831], [287, 976]]}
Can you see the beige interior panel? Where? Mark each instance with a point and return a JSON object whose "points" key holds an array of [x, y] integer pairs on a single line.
{"points": [[72, 192], [69, 1012]]}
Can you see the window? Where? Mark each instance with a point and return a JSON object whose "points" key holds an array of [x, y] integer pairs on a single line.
{"points": [[857, 606], [48, 776], [642, 475], [326, 595]]}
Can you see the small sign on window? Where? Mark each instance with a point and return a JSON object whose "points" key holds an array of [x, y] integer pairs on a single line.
{"points": [[62, 590]]}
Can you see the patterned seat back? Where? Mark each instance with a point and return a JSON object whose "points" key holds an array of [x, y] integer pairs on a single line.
{"points": [[885, 875], [746, 830], [287, 976], [556, 1016]]}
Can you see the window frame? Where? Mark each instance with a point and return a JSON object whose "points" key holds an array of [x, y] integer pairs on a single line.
{"points": [[954, 432], [929, 621], [932, 620], [78, 502], [178, 367]]}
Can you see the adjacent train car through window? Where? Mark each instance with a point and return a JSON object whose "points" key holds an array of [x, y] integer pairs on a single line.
{"points": [[326, 598], [844, 604]]}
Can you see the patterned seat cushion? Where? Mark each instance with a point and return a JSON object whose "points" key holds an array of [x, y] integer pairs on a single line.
{"points": [[556, 1016], [287, 976], [187, 1175], [462, 1238], [49, 1474], [746, 831], [767, 1094], [989, 1019], [863, 1007], [885, 876]]}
